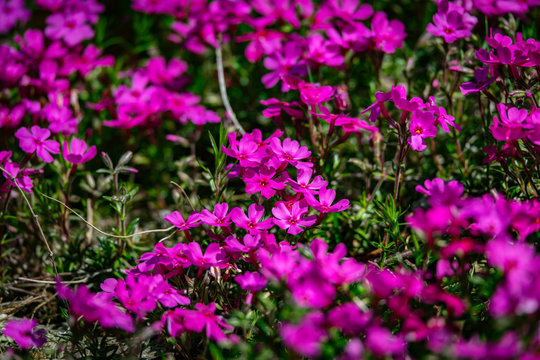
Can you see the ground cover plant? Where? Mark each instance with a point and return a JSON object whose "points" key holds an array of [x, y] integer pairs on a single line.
{"points": [[265, 179]]}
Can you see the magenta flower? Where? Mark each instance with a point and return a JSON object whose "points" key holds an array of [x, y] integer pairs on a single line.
{"points": [[381, 342], [78, 152], [161, 73], [306, 337], [323, 52], [218, 218], [251, 222], [61, 119], [203, 318], [95, 307], [262, 181], [72, 28], [422, 126], [290, 151], [250, 242], [314, 94], [251, 281], [11, 13], [303, 184], [22, 177], [284, 64], [387, 35], [326, 198], [452, 22], [512, 124], [36, 141], [292, 219], [213, 256], [24, 333], [177, 220], [86, 62], [12, 118], [482, 82], [245, 150], [349, 318], [261, 42]]}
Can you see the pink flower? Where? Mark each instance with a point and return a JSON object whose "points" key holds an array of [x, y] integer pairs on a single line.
{"points": [[95, 307], [512, 124], [284, 65], [213, 256], [203, 318], [261, 181], [422, 126], [36, 141], [452, 22], [306, 337], [11, 13], [326, 198], [314, 94], [292, 219], [303, 183], [77, 152], [245, 150], [387, 35], [72, 28], [482, 82], [160, 73], [86, 62], [290, 151], [251, 222], [177, 220], [218, 218], [251, 281], [24, 333]]}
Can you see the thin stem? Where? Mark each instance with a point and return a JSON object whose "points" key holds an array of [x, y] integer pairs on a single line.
{"points": [[36, 221], [223, 88], [101, 231]]}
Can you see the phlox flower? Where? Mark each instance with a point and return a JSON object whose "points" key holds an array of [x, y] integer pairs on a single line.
{"points": [[292, 220], [511, 125], [61, 119], [350, 11], [323, 52], [11, 118], [245, 150], [24, 333], [22, 177], [177, 220], [262, 181], [387, 35], [71, 27], [349, 318], [213, 256], [262, 41], [204, 318], [249, 243], [442, 193], [94, 307], [161, 73], [11, 13], [86, 62], [284, 65], [306, 337], [303, 184], [309, 287], [422, 126], [218, 218], [451, 22], [314, 94], [77, 151], [326, 198], [381, 342], [280, 263], [36, 141], [251, 281], [290, 152], [482, 81], [252, 221]]}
